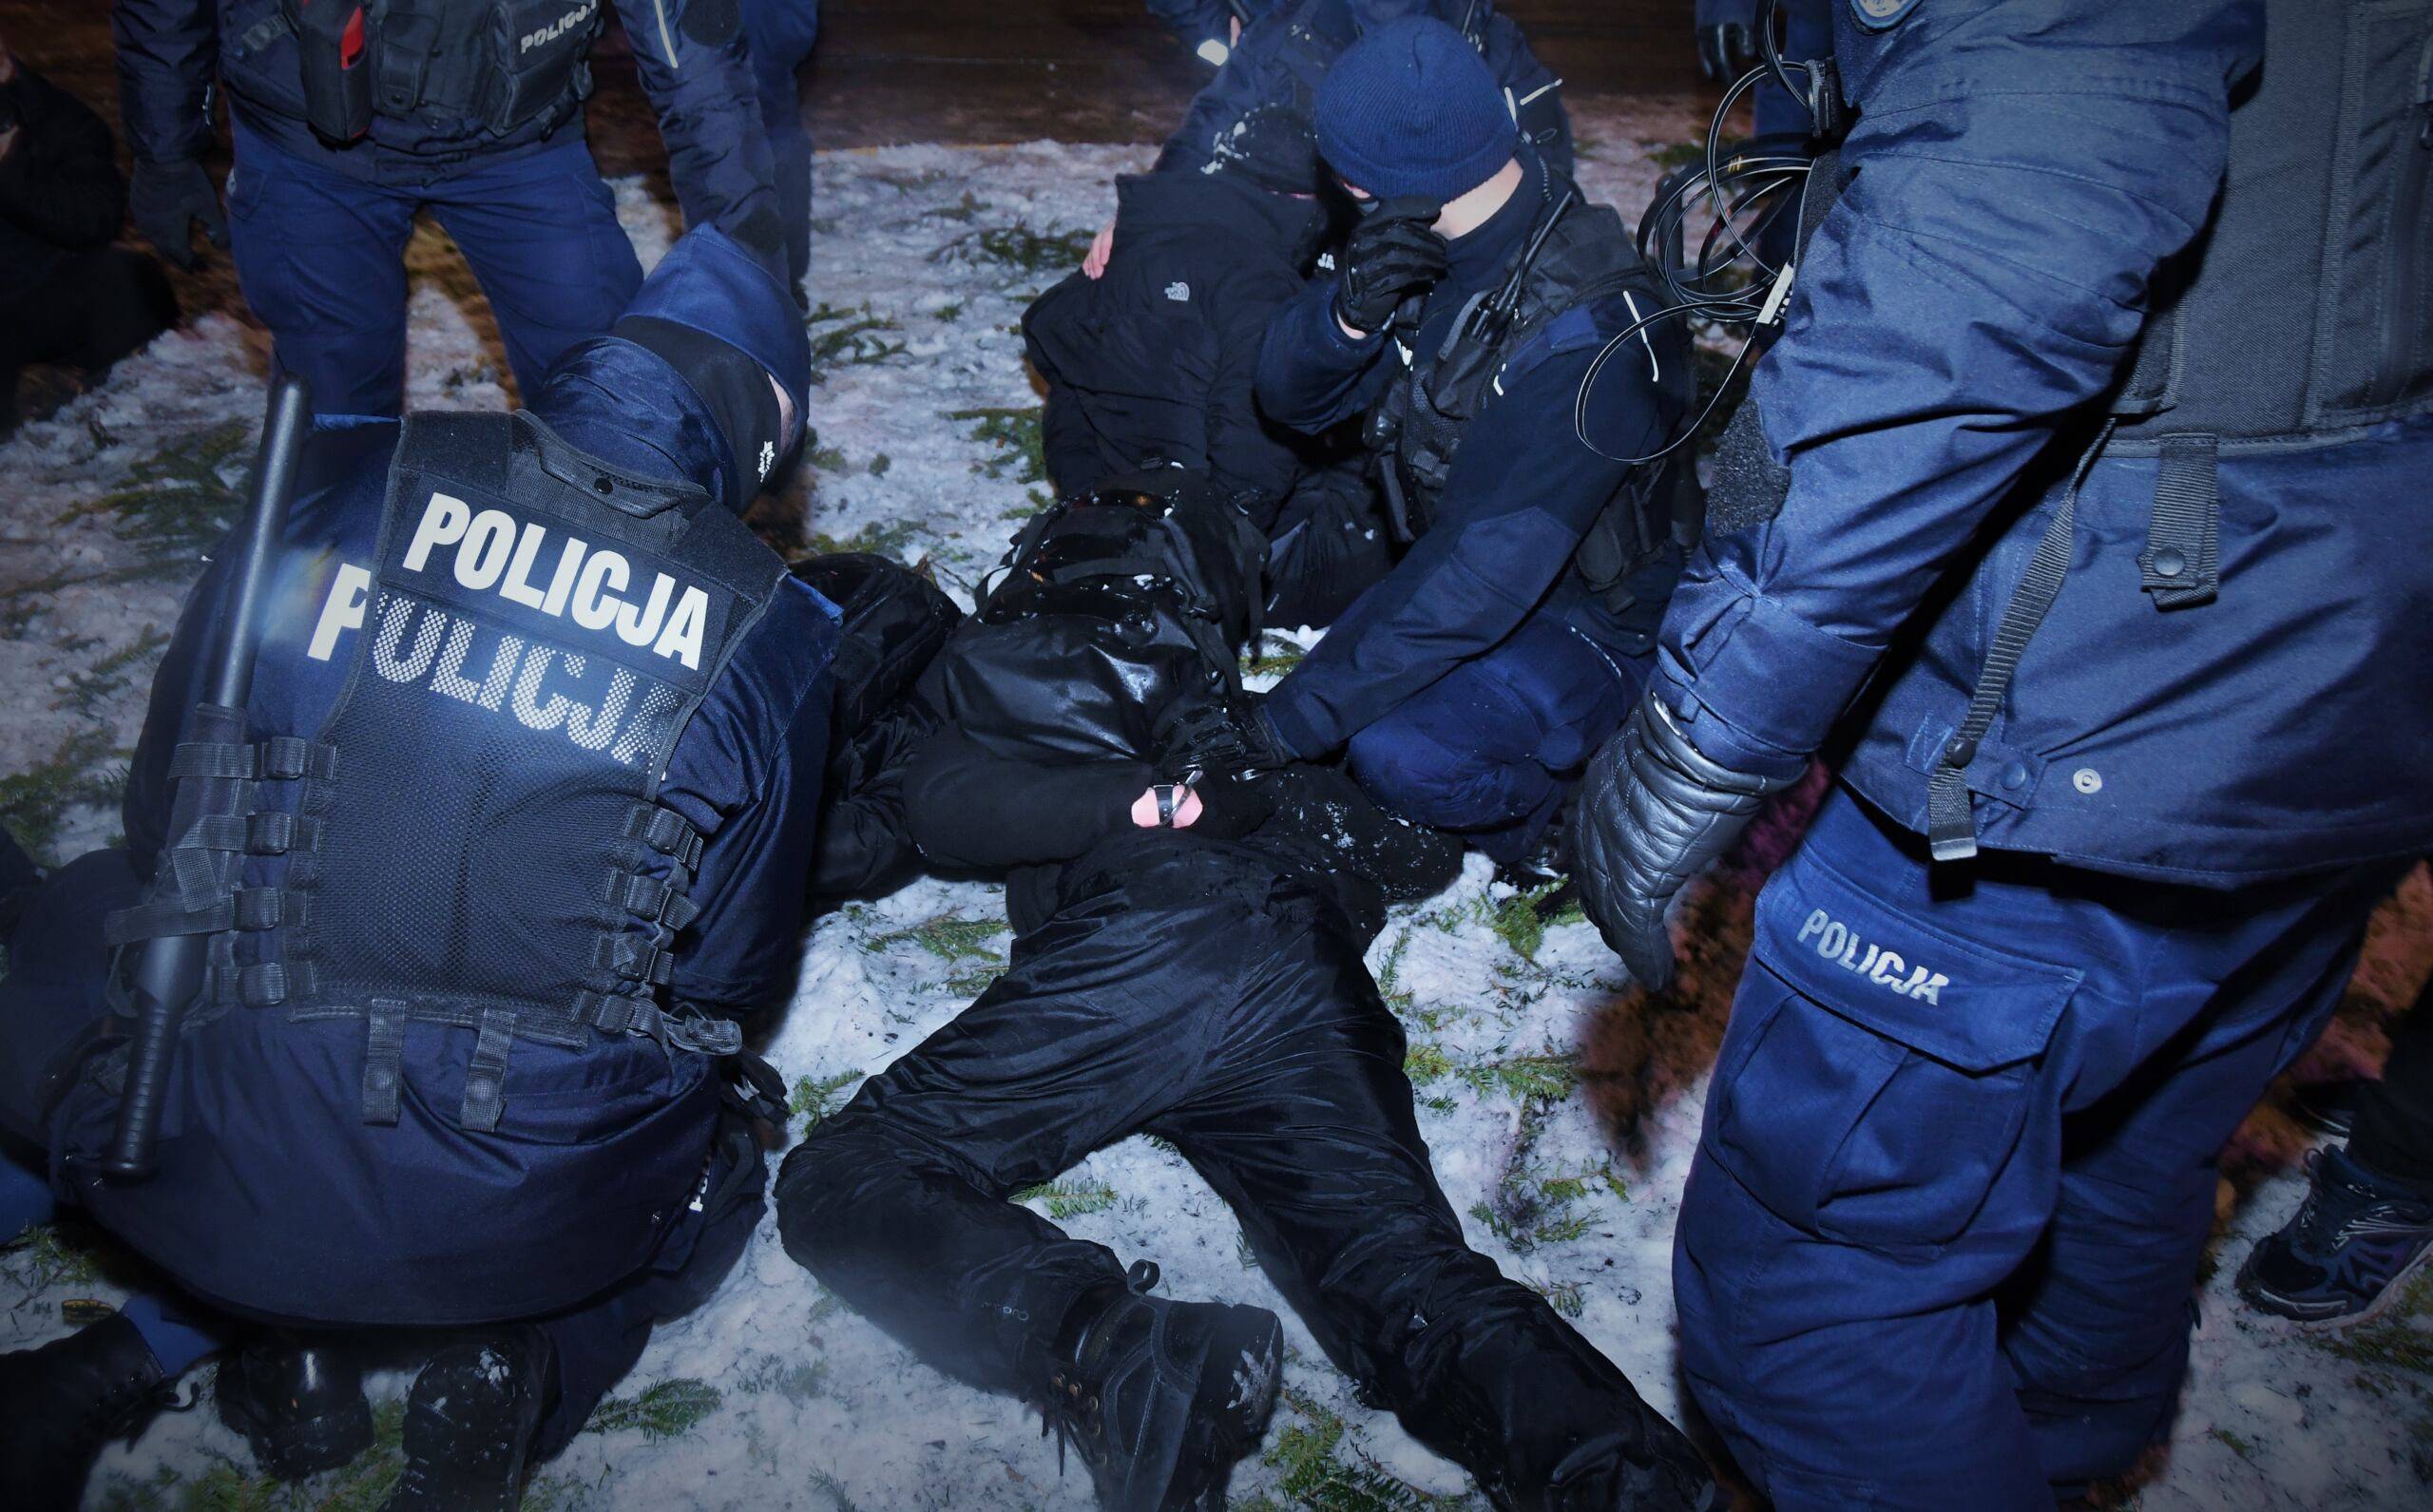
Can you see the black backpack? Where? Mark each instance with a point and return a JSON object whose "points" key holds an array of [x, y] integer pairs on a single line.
{"points": [[1113, 612]]}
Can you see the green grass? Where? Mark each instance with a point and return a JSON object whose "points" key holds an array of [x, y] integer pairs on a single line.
{"points": [[1323, 1472], [880, 538], [178, 502], [1569, 1298], [951, 937], [362, 1486], [105, 679], [2401, 1339], [815, 1101], [1670, 155], [829, 1486], [1425, 1062], [850, 338], [1279, 662], [664, 1411], [70, 1253], [973, 983], [797, 1381], [1069, 1200], [1015, 434], [34, 804], [1018, 247], [1548, 1076], [2237, 1445]]}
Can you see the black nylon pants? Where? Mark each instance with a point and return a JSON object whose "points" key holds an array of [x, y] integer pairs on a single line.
{"points": [[1185, 988], [2393, 1135]]}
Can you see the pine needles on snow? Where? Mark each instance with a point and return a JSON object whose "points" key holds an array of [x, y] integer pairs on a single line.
{"points": [[663, 1411]]}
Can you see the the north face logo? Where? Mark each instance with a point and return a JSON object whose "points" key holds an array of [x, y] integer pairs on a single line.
{"points": [[768, 459], [1840, 944], [1179, 291]]}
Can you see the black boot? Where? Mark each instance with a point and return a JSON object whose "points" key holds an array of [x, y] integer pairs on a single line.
{"points": [[468, 1424], [300, 1406], [61, 1403], [1160, 1397]]}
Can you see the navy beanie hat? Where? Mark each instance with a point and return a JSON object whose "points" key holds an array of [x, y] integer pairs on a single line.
{"points": [[1412, 109]]}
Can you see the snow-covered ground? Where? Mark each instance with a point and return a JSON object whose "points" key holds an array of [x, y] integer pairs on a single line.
{"points": [[1561, 1126]]}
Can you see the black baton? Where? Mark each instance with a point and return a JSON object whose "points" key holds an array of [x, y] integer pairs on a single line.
{"points": [[170, 973]]}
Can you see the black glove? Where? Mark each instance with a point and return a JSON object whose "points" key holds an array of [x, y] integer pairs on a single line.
{"points": [[1725, 51], [166, 199], [1223, 734], [1393, 254], [1653, 815], [1232, 804]]}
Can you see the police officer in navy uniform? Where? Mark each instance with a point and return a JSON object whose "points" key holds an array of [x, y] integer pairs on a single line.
{"points": [[1284, 51], [1473, 683], [515, 827], [780, 34], [350, 119], [2099, 568]]}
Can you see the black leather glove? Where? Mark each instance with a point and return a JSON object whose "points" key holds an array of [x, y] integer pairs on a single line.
{"points": [[166, 199], [1653, 815], [1725, 51], [1224, 734], [1393, 254]]}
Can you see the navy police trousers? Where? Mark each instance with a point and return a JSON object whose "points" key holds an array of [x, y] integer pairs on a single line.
{"points": [[1959, 1160], [1491, 750], [52, 997], [321, 255]]}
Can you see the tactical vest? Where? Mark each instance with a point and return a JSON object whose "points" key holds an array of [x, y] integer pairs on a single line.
{"points": [[494, 65], [1578, 260], [2320, 256], [472, 840], [2302, 316]]}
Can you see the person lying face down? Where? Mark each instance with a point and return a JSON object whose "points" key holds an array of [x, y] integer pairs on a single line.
{"points": [[1189, 962]]}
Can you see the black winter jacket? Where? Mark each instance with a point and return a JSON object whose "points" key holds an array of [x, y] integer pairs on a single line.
{"points": [[1156, 361], [61, 192]]}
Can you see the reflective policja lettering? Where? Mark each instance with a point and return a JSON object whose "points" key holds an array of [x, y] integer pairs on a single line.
{"points": [[1840, 944], [545, 687]]}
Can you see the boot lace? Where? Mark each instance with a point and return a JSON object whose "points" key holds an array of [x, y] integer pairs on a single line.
{"points": [[1071, 1410]]}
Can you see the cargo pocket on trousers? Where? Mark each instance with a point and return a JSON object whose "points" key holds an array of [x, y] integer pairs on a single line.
{"points": [[1877, 1073]]}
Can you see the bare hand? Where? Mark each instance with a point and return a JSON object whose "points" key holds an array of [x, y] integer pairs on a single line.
{"points": [[1187, 808], [1102, 248]]}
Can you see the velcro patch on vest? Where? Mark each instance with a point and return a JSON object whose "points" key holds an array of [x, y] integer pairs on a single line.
{"points": [[1956, 1001]]}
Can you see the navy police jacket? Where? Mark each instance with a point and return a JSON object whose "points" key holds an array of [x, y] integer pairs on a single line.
{"points": [[690, 55], [602, 1136], [1961, 322], [1271, 67], [1521, 494]]}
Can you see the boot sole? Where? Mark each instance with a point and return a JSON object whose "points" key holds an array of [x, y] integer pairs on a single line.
{"points": [[1240, 1379], [306, 1447]]}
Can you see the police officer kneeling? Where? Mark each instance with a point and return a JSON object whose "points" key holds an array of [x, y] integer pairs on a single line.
{"points": [[521, 819], [1474, 681], [2135, 562]]}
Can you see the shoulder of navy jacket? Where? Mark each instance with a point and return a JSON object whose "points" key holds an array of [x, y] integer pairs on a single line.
{"points": [[615, 488]]}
